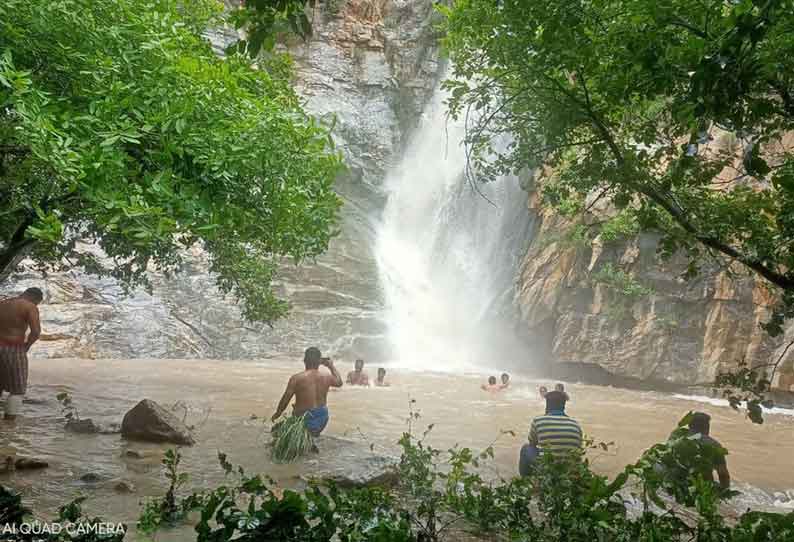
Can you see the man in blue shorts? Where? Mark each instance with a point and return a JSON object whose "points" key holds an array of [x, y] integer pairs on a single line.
{"points": [[310, 389]]}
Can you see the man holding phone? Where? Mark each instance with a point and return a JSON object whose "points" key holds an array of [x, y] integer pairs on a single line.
{"points": [[310, 389]]}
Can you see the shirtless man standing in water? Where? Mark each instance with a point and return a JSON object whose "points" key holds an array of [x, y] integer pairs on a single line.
{"points": [[359, 376], [310, 389], [17, 315]]}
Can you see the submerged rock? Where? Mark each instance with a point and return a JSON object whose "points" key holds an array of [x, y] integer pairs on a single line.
{"points": [[351, 464], [87, 426], [90, 478], [150, 422], [110, 429], [34, 401], [30, 463], [375, 470], [133, 454], [123, 486]]}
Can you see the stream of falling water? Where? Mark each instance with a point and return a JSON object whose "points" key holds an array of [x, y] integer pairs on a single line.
{"points": [[447, 255]]}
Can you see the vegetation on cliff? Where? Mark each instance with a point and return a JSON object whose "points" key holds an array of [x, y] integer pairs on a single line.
{"points": [[120, 127], [623, 98], [677, 116]]}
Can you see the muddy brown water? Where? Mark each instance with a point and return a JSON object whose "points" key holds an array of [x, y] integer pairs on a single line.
{"points": [[222, 396]]}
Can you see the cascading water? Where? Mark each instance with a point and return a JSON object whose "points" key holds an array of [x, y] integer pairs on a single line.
{"points": [[447, 256]]}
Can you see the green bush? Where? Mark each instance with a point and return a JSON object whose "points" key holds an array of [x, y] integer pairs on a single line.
{"points": [[442, 496], [120, 126]]}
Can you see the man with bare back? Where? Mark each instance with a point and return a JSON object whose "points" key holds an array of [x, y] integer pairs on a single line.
{"points": [[17, 316], [310, 389]]}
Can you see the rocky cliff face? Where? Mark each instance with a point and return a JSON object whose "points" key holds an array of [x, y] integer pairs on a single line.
{"points": [[370, 63], [669, 330]]}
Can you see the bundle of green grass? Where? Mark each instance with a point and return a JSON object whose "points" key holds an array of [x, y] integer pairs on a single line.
{"points": [[291, 439]]}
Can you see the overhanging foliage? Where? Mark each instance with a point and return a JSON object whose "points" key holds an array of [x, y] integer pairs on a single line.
{"points": [[679, 113], [120, 127]]}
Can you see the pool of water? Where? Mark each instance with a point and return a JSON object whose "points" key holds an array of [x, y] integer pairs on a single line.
{"points": [[228, 402]]}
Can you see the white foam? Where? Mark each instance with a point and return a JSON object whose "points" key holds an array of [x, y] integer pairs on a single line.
{"points": [[446, 256], [716, 401]]}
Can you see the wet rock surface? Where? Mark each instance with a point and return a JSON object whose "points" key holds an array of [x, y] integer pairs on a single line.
{"points": [[123, 486], [91, 478], [350, 464], [373, 470], [87, 426], [29, 463], [148, 421], [681, 332], [371, 64]]}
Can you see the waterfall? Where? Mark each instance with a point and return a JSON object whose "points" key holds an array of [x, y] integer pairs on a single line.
{"points": [[447, 257]]}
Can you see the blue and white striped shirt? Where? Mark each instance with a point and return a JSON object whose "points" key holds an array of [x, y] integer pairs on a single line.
{"points": [[556, 433]]}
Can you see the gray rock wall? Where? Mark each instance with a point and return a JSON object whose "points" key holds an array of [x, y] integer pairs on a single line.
{"points": [[370, 63], [683, 332]]}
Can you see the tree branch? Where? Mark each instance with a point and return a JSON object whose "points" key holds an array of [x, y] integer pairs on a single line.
{"points": [[16, 249], [14, 149], [688, 26], [676, 212]]}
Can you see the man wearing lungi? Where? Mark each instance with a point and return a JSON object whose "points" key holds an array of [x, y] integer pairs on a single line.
{"points": [[19, 329]]}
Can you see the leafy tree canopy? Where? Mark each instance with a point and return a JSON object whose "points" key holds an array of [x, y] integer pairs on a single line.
{"points": [[678, 113], [120, 127], [263, 20]]}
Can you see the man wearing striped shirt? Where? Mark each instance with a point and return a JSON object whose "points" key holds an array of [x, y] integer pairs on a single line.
{"points": [[553, 433]]}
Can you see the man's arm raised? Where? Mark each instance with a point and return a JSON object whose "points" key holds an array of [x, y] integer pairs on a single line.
{"points": [[285, 399], [336, 378], [35, 327]]}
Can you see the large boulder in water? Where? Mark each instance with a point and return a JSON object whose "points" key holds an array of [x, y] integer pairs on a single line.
{"points": [[150, 422]]}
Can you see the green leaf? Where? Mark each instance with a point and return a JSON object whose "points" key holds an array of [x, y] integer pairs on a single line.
{"points": [[110, 141]]}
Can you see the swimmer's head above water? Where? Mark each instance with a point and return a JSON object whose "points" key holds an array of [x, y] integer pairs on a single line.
{"points": [[555, 401]]}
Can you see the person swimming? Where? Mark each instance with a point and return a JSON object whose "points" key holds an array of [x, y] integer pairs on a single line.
{"points": [[491, 385], [310, 389], [358, 377], [505, 381], [381, 380]]}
